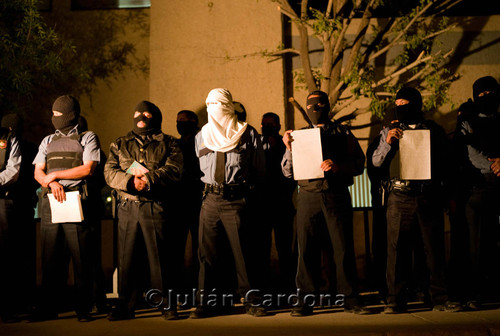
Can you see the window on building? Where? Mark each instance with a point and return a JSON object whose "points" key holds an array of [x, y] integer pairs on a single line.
{"points": [[109, 4]]}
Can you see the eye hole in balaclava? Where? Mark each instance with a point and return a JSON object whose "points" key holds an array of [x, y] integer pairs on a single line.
{"points": [[69, 107], [318, 107], [485, 91], [410, 113], [153, 124]]}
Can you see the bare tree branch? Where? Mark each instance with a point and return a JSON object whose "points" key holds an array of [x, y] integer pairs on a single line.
{"points": [[288, 51], [365, 21], [401, 34], [420, 59], [329, 8]]}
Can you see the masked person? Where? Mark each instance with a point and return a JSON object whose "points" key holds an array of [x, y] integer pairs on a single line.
{"points": [[414, 207], [142, 166], [10, 166], [480, 136], [188, 198], [277, 205], [65, 161], [324, 206], [232, 164]]}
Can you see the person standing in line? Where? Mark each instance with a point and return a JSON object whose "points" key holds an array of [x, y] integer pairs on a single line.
{"points": [[278, 210], [232, 164], [10, 166], [65, 161], [414, 207], [326, 202], [142, 167], [188, 198], [481, 138]]}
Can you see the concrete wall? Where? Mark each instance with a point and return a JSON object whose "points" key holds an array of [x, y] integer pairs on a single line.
{"points": [[197, 46], [110, 107]]}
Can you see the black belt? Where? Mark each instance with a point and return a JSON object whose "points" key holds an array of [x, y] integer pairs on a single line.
{"points": [[410, 186], [228, 191], [214, 189]]}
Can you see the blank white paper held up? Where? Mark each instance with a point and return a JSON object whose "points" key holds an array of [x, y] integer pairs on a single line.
{"points": [[69, 211]]}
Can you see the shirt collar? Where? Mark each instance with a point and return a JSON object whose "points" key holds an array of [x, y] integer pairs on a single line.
{"points": [[74, 130]]}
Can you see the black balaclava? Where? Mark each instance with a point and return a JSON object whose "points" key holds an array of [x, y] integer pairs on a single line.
{"points": [[487, 103], [13, 122], [410, 113], [70, 109], [318, 108], [153, 124], [271, 129], [240, 111], [187, 127]]}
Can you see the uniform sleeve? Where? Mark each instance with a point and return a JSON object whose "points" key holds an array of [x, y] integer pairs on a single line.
{"points": [[170, 171], [41, 156], [91, 147], [477, 157], [115, 177], [11, 172], [286, 164], [383, 148]]}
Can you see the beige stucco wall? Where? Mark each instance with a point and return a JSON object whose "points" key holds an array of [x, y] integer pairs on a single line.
{"points": [[196, 46], [109, 109]]}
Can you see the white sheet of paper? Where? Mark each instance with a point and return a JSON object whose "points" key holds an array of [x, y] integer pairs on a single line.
{"points": [[415, 155], [69, 211], [307, 155]]}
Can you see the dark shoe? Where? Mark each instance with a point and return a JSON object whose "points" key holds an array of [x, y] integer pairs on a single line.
{"points": [[473, 305], [395, 309], [120, 315], [102, 309], [256, 311], [10, 318], [201, 312], [301, 311], [448, 306], [86, 317], [169, 315], [360, 310]]}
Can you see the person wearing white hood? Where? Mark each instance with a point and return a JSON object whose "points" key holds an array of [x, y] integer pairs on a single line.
{"points": [[232, 165]]}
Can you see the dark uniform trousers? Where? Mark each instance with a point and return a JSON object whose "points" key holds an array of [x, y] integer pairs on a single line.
{"points": [[404, 211], [482, 212], [142, 225], [55, 239], [314, 210], [219, 217], [7, 261]]}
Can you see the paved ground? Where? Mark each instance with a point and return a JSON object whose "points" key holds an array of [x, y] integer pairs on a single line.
{"points": [[418, 321]]}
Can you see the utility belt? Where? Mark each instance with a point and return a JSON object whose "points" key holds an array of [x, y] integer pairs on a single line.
{"points": [[228, 192], [82, 188], [410, 187]]}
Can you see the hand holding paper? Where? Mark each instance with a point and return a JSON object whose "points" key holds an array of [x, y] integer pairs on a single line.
{"points": [[307, 155], [69, 211], [137, 169], [58, 191]]}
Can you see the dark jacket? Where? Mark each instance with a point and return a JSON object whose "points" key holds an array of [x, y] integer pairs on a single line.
{"points": [[159, 153]]}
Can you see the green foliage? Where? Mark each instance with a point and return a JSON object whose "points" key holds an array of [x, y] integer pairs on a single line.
{"points": [[38, 62], [321, 24]]}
